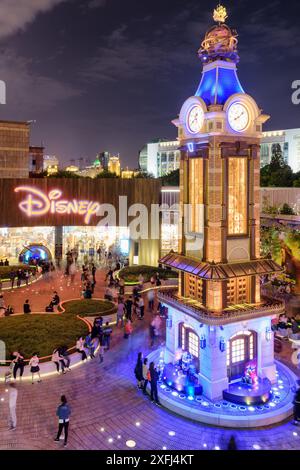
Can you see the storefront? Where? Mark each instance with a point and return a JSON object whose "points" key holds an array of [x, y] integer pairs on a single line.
{"points": [[80, 214]]}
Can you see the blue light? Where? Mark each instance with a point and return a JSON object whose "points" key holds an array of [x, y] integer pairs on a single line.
{"points": [[191, 147], [216, 88]]}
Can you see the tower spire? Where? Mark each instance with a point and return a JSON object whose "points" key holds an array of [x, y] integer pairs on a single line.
{"points": [[220, 14]]}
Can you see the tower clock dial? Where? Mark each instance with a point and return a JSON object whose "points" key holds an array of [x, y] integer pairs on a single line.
{"points": [[195, 119], [238, 117]]}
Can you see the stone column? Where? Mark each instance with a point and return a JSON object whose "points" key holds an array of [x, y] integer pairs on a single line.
{"points": [[213, 368]]}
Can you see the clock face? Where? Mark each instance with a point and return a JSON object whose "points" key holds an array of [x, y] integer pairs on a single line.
{"points": [[195, 119], [238, 117]]}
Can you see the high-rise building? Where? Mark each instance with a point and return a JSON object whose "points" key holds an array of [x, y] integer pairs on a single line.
{"points": [[114, 165], [289, 141], [102, 160], [218, 315], [160, 157], [14, 149]]}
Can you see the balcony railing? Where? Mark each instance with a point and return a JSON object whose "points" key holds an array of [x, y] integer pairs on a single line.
{"points": [[267, 307]]}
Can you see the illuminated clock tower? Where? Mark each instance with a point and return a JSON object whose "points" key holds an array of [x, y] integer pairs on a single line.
{"points": [[218, 314]]}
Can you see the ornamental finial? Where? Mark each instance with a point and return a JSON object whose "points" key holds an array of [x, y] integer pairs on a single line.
{"points": [[220, 14]]}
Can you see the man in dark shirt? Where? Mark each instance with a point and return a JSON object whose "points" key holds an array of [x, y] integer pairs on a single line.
{"points": [[128, 308], [26, 307]]}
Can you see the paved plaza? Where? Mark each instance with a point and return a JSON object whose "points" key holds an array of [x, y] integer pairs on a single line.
{"points": [[107, 409]]}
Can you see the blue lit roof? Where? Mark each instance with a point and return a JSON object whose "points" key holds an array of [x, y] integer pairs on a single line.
{"points": [[218, 84]]}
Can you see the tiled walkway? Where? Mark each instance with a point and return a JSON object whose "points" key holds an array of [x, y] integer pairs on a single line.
{"points": [[108, 410]]}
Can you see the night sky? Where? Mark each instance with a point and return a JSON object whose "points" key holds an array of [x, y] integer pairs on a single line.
{"points": [[112, 74]]}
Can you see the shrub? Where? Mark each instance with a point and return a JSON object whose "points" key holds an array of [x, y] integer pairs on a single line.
{"points": [[131, 274]]}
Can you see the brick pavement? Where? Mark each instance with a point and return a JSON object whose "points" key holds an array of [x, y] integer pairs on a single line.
{"points": [[107, 405]]}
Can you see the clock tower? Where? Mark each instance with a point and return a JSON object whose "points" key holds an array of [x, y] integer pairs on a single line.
{"points": [[218, 314]]}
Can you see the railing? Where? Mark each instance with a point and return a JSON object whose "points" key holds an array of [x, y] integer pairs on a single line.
{"points": [[269, 307]]}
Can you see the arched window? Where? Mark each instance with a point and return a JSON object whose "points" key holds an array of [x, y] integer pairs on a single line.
{"points": [[241, 349], [189, 340]]}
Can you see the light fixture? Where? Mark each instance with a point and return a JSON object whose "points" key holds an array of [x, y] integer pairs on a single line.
{"points": [[202, 342], [268, 334], [222, 344]]}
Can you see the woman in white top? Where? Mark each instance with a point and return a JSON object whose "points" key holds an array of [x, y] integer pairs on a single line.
{"points": [[34, 366]]}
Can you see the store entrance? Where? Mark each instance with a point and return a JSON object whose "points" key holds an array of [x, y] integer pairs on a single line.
{"points": [[101, 245]]}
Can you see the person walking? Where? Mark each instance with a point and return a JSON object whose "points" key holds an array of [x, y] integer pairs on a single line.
{"points": [[154, 376], [34, 367], [26, 307], [145, 375], [63, 412], [151, 296], [19, 364], [80, 348], [128, 308], [120, 312], [127, 329], [138, 370], [141, 307], [107, 331], [12, 403]]}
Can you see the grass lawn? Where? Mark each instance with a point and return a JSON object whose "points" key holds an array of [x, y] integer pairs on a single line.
{"points": [[131, 274], [89, 307], [43, 333]]}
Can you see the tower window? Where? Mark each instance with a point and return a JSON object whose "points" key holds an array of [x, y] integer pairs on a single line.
{"points": [[237, 196]]}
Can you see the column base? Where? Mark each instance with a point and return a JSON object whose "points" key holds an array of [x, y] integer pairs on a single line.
{"points": [[213, 389]]}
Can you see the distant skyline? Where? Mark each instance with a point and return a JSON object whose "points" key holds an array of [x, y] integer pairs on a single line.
{"points": [[110, 75]]}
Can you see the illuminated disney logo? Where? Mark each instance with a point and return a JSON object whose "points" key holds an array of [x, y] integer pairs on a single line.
{"points": [[37, 203]]}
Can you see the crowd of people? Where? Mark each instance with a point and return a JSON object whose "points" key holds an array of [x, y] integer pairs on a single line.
{"points": [[147, 374], [287, 327]]}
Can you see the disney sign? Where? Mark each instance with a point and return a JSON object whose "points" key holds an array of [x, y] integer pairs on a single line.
{"points": [[37, 203]]}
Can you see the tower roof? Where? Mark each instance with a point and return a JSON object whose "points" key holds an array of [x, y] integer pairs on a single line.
{"points": [[220, 42], [219, 56]]}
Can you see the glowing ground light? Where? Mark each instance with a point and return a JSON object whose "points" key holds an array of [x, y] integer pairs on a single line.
{"points": [[251, 408], [272, 404], [175, 394], [256, 447], [164, 448], [205, 446], [131, 444], [204, 403], [110, 440], [2, 399], [171, 433], [102, 429], [295, 434], [119, 437], [190, 398], [137, 424], [217, 448]]}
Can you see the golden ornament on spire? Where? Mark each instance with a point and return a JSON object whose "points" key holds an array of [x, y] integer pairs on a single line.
{"points": [[220, 14]]}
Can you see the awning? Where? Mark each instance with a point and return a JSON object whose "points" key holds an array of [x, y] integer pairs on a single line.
{"points": [[221, 271]]}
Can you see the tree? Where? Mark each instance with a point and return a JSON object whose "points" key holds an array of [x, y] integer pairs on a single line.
{"points": [[144, 175], [64, 174], [107, 174], [277, 173], [171, 179]]}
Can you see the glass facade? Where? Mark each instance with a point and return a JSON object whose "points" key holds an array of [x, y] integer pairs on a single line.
{"points": [[14, 240], [237, 196]]}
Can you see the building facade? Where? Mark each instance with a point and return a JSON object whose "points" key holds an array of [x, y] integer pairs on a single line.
{"points": [[14, 149], [218, 316], [114, 165], [160, 157], [289, 141], [36, 159]]}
